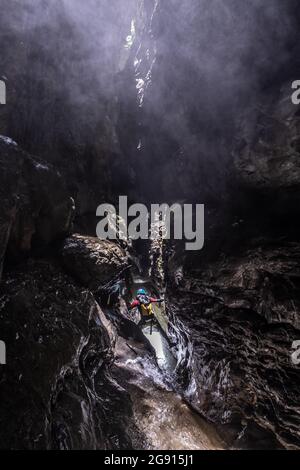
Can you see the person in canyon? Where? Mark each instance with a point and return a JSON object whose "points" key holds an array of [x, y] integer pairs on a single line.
{"points": [[144, 303]]}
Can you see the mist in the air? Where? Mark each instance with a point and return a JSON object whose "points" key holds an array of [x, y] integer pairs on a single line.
{"points": [[150, 81]]}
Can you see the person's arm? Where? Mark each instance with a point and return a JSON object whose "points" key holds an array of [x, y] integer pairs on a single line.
{"points": [[155, 301], [134, 304]]}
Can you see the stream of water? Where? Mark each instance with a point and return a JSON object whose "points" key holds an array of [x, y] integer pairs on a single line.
{"points": [[160, 412]]}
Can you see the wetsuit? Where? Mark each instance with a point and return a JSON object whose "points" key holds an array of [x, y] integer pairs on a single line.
{"points": [[144, 304], [138, 303]]}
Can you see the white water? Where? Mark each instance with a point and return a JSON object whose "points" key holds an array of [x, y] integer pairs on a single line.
{"points": [[160, 414]]}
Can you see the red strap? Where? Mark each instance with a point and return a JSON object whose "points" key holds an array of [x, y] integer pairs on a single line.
{"points": [[135, 303]]}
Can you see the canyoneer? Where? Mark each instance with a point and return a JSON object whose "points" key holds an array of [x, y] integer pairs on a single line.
{"points": [[144, 303]]}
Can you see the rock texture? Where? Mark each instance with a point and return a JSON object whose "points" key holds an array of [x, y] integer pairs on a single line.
{"points": [[181, 100], [56, 390], [266, 158], [242, 315], [63, 62], [268, 153], [199, 67], [92, 261], [36, 206]]}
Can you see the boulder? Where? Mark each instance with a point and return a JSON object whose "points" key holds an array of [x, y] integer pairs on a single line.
{"points": [[92, 261]]}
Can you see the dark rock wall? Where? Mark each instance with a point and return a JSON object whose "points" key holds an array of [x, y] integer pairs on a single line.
{"points": [[159, 120], [199, 66], [197, 109], [56, 390], [36, 207], [217, 124], [242, 313], [61, 61]]}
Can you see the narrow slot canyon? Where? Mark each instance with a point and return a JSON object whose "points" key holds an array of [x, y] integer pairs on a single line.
{"points": [[178, 103]]}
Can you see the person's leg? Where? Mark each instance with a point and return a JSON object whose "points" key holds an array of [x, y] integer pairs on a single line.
{"points": [[142, 321]]}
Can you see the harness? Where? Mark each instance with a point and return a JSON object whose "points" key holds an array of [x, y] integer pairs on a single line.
{"points": [[145, 305]]}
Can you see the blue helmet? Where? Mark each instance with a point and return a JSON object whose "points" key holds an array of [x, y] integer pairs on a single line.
{"points": [[141, 292]]}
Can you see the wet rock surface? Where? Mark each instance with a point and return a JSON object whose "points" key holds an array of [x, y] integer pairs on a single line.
{"points": [[266, 157], [175, 115], [161, 416], [92, 261], [56, 390], [63, 63], [242, 316], [36, 206], [180, 125]]}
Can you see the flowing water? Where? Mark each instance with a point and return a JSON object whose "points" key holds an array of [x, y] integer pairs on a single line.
{"points": [[160, 412]]}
